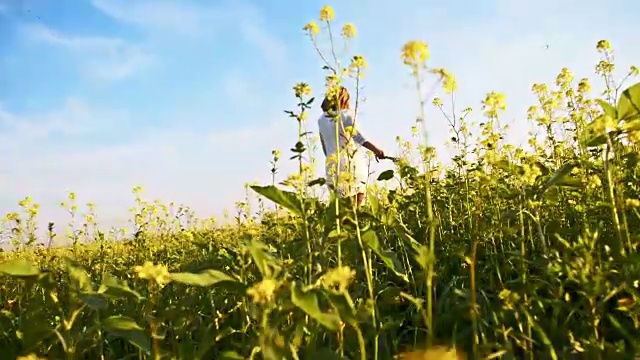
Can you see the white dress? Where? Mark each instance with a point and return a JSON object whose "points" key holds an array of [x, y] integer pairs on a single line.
{"points": [[351, 155]]}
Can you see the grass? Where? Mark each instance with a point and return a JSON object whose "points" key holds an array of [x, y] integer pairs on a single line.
{"points": [[508, 253]]}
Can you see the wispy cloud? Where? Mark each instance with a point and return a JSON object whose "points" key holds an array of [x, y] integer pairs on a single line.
{"points": [[74, 119], [155, 15], [188, 18], [103, 58]]}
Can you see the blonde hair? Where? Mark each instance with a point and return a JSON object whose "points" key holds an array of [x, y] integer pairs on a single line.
{"points": [[329, 103]]}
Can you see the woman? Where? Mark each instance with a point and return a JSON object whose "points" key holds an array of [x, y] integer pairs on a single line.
{"points": [[353, 170]]}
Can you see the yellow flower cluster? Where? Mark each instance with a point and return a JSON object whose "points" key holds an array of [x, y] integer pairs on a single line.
{"points": [[349, 31], [326, 13], [415, 53], [311, 28], [150, 271], [584, 86], [358, 62], [632, 203], [603, 45], [302, 89], [493, 103], [448, 80], [31, 357], [339, 278], [264, 291], [564, 79]]}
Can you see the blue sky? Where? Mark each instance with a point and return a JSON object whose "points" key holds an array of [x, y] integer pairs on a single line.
{"points": [[186, 97]]}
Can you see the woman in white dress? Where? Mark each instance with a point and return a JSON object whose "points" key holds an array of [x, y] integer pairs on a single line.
{"points": [[353, 174]]}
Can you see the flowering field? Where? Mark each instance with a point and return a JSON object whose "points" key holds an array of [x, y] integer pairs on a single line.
{"points": [[508, 253]]}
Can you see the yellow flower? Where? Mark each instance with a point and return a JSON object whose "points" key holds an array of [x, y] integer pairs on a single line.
{"points": [[436, 352], [30, 357], [349, 31], [332, 80], [188, 235], [632, 202], [448, 80], [564, 78], [634, 71], [603, 45], [493, 103], [264, 291], [326, 13], [584, 86], [339, 278], [158, 273], [415, 52], [437, 102], [358, 62], [311, 28], [605, 67], [539, 89], [302, 89], [594, 182]]}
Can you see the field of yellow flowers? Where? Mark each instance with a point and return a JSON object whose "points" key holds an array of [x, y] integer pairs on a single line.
{"points": [[508, 253]]}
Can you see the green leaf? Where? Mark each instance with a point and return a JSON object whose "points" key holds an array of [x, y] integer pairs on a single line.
{"points": [[631, 126], [557, 177], [389, 258], [319, 181], [126, 328], [386, 175], [418, 303], [373, 202], [424, 256], [19, 268], [95, 301], [205, 278], [507, 166], [209, 340], [596, 141], [569, 181], [229, 355], [80, 280], [629, 103], [266, 263], [344, 304], [286, 199], [594, 135], [117, 288], [608, 109], [307, 301]]}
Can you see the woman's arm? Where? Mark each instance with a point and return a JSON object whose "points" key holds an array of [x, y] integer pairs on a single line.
{"points": [[359, 138]]}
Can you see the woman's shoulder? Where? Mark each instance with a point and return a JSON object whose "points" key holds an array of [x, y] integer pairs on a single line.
{"points": [[347, 114]]}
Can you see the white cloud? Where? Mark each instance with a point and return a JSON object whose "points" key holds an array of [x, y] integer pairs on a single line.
{"points": [[187, 18], [204, 170], [103, 58], [157, 14]]}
